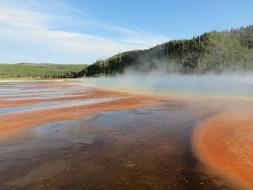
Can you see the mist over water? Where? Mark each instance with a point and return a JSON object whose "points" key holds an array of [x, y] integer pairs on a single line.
{"points": [[235, 84]]}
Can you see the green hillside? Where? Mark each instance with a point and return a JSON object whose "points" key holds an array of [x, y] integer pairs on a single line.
{"points": [[27, 70], [210, 52], [214, 51]]}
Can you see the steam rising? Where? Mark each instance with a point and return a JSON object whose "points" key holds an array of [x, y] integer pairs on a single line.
{"points": [[156, 82]]}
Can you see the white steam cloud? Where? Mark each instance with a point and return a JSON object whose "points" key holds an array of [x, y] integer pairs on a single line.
{"points": [[235, 84]]}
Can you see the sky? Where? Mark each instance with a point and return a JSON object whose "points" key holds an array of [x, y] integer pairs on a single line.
{"points": [[83, 31]]}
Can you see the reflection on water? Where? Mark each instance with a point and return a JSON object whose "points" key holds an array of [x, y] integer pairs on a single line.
{"points": [[45, 89], [145, 148], [54, 104], [135, 149]]}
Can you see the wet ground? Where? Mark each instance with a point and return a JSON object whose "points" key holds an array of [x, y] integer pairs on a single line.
{"points": [[118, 141]]}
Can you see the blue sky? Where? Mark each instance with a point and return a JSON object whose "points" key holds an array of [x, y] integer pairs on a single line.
{"points": [[82, 31]]}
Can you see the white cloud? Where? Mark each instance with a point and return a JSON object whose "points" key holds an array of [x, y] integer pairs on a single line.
{"points": [[26, 36]]}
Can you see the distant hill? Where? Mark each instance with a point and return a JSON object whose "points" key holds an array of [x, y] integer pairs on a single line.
{"points": [[210, 52], [43, 71]]}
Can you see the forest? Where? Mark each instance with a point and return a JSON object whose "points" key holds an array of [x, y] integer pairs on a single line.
{"points": [[225, 51]]}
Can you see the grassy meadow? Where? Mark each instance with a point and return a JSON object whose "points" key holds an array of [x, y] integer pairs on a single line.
{"points": [[43, 71]]}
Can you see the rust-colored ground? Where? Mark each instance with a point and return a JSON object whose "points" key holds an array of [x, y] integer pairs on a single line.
{"points": [[14, 121], [95, 93], [225, 144], [146, 148]]}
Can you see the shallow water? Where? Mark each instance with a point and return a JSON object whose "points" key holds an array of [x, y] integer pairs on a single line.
{"points": [[43, 88], [54, 104], [136, 148]]}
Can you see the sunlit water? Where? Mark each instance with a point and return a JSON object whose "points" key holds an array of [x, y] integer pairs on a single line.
{"points": [[140, 148]]}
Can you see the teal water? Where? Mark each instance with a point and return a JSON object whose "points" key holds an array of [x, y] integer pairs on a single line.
{"points": [[218, 85]]}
